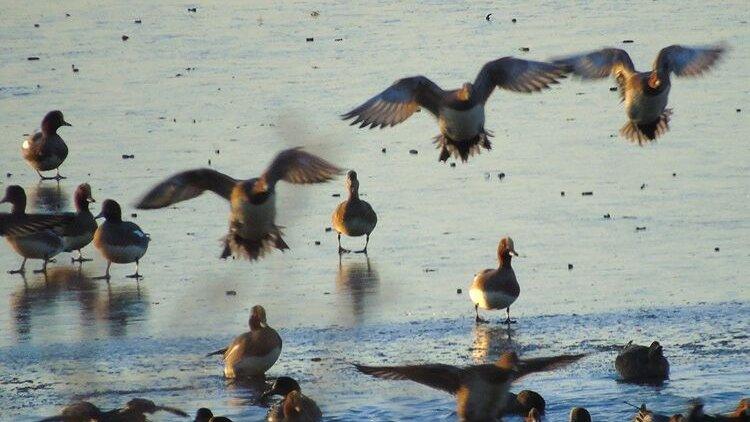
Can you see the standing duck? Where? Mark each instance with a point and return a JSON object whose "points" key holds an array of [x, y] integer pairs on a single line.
{"points": [[252, 353], [642, 364], [295, 407], [481, 390], [121, 242], [252, 226], [354, 217], [45, 150], [29, 234], [459, 112], [645, 94], [80, 231], [496, 288]]}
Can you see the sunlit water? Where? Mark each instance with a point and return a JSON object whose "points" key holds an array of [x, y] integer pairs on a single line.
{"points": [[256, 86]]}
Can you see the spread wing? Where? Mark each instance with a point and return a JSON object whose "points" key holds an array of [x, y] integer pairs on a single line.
{"points": [[187, 185], [12, 225], [442, 377], [300, 167], [598, 64], [515, 75], [397, 103], [687, 61], [529, 366]]}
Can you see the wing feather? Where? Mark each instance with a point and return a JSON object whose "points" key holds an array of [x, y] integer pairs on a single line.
{"points": [[439, 376], [187, 185], [687, 61], [297, 166], [515, 75]]}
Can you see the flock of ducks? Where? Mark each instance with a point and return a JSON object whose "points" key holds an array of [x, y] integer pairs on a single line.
{"points": [[482, 391]]}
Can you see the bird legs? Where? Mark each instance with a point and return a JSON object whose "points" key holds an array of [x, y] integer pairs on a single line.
{"points": [[106, 275], [42, 270], [342, 250], [479, 320], [135, 275], [80, 259], [20, 270], [57, 177], [364, 251], [508, 320]]}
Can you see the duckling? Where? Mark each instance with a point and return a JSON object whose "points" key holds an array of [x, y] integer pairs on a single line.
{"points": [[481, 390], [579, 414], [460, 112], [645, 94], [29, 234], [252, 353], [46, 150], [642, 364], [80, 231], [354, 217], [121, 242], [252, 226], [295, 407], [497, 288]]}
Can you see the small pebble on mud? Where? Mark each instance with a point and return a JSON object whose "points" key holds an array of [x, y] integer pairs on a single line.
{"points": [[640, 228], [125, 37], [328, 229], [231, 293], [716, 249], [613, 88], [413, 152], [134, 215], [570, 266], [587, 193], [562, 193], [309, 39], [607, 215], [459, 291]]}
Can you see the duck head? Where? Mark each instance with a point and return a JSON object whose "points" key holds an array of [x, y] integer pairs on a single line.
{"points": [[464, 94], [16, 196], [257, 318], [579, 414], [508, 361], [83, 196], [203, 415], [111, 211], [655, 351], [352, 184], [505, 251], [282, 386], [53, 121]]}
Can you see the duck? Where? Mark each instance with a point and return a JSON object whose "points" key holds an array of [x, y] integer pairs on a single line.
{"points": [[459, 112], [134, 410], [205, 415], [121, 242], [354, 217], [481, 390], [295, 406], [497, 288], [80, 411], [45, 150], [80, 231], [252, 353], [645, 94], [252, 227], [533, 416], [523, 402], [697, 414], [646, 415], [579, 414], [642, 364], [30, 235]]}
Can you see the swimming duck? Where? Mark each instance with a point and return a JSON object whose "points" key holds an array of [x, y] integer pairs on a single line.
{"points": [[46, 150], [80, 231], [252, 226], [81, 411], [579, 414], [496, 288], [252, 353], [295, 407], [29, 234], [354, 217], [522, 403], [136, 409], [121, 242], [459, 112], [645, 94], [481, 390], [642, 364], [205, 415]]}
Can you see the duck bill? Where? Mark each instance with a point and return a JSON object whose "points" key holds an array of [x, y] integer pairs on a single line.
{"points": [[90, 200], [98, 216], [64, 123], [513, 252], [266, 395]]}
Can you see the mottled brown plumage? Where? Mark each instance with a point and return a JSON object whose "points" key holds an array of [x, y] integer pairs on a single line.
{"points": [[354, 217]]}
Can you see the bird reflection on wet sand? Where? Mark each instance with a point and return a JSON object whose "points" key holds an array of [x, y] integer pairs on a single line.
{"points": [[40, 300], [247, 391], [492, 341], [48, 197], [358, 283]]}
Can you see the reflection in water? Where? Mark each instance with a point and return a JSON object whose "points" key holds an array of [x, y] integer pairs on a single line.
{"points": [[361, 281], [48, 197], [40, 300], [491, 341], [247, 391]]}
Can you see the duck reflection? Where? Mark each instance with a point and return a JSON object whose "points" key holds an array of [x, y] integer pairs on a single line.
{"points": [[492, 341], [359, 282], [48, 197], [247, 391], [43, 298]]}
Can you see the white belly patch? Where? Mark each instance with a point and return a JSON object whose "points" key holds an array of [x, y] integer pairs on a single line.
{"points": [[252, 365], [491, 300], [256, 221], [460, 125]]}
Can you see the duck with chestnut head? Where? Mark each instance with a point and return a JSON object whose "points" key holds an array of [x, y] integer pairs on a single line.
{"points": [[80, 231], [497, 288], [121, 242], [354, 217], [45, 150]]}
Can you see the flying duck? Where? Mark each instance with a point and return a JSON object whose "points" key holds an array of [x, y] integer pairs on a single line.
{"points": [[252, 226], [295, 407], [29, 234], [354, 217], [642, 364], [496, 288], [80, 231], [252, 353], [645, 94], [121, 242], [46, 150], [481, 390], [579, 414], [459, 112]]}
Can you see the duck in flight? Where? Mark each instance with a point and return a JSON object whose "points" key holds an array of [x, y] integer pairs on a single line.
{"points": [[459, 112]]}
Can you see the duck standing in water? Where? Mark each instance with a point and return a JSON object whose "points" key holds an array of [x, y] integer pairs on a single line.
{"points": [[642, 364], [252, 219], [496, 288], [481, 390], [460, 112], [295, 407], [121, 242], [354, 217], [80, 231], [645, 94], [252, 353], [29, 234], [45, 150]]}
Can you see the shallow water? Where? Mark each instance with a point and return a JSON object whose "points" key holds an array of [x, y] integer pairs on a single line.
{"points": [[256, 86]]}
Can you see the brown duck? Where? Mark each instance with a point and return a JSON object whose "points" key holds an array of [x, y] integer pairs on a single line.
{"points": [[642, 364], [45, 150], [354, 217], [295, 407]]}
